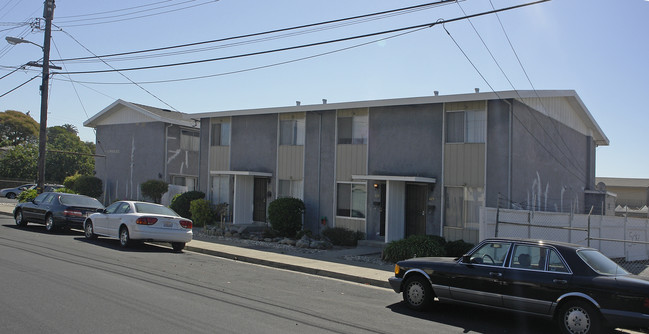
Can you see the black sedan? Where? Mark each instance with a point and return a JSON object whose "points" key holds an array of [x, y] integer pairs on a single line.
{"points": [[579, 287], [56, 210]]}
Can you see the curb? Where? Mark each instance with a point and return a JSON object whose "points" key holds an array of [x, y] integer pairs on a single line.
{"points": [[292, 267]]}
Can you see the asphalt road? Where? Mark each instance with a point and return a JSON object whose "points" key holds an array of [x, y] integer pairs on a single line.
{"points": [[64, 284]]}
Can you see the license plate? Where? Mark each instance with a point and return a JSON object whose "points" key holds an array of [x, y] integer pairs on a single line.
{"points": [[168, 224]]}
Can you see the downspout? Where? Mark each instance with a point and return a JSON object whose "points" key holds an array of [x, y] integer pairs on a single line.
{"points": [[166, 151], [509, 148]]}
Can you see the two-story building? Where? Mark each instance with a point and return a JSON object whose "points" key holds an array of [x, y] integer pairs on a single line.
{"points": [[136, 143], [393, 168]]}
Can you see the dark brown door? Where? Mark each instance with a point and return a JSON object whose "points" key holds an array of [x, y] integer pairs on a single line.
{"points": [[382, 208], [259, 205], [416, 209]]}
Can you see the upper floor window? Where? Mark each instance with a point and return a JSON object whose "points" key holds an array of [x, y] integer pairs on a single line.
{"points": [[220, 134], [189, 140], [468, 126], [291, 132], [353, 129]]}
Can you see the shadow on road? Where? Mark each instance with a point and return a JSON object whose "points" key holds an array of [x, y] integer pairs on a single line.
{"points": [[481, 320]]}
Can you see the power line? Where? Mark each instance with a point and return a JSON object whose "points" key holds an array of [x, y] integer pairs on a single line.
{"points": [[114, 10], [63, 22], [120, 73], [304, 45], [442, 2], [142, 16], [22, 84], [253, 68]]}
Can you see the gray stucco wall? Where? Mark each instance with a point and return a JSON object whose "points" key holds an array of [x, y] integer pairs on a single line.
{"points": [[407, 141], [498, 155], [203, 172], [551, 163], [134, 154], [179, 161], [254, 143], [319, 166]]}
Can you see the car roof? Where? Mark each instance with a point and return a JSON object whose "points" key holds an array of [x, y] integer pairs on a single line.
{"points": [[558, 244]]}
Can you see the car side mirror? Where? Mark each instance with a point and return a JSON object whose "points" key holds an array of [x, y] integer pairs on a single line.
{"points": [[101, 210], [466, 259]]}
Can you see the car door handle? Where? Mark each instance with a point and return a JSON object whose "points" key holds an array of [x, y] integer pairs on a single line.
{"points": [[559, 281], [495, 274]]}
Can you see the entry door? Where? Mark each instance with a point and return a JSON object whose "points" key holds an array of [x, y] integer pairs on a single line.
{"points": [[259, 204], [382, 208], [416, 209]]}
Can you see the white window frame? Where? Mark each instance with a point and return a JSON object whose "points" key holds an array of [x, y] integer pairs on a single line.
{"points": [[360, 201]]}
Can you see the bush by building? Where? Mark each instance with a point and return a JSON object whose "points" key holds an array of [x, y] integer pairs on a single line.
{"points": [[201, 212], [154, 189], [89, 185], [285, 215], [181, 202], [413, 246], [341, 236]]}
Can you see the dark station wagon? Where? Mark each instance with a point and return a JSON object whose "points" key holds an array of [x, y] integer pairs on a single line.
{"points": [[580, 288]]}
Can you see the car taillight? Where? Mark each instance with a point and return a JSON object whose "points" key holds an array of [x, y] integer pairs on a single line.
{"points": [[186, 223], [72, 213], [646, 303], [146, 221]]}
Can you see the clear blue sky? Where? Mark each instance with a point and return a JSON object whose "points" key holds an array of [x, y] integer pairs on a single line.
{"points": [[598, 48]]}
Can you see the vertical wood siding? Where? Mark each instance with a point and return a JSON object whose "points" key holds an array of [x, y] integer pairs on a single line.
{"points": [[290, 162], [464, 165]]}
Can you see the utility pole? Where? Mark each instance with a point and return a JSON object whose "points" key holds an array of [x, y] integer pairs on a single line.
{"points": [[48, 14]]}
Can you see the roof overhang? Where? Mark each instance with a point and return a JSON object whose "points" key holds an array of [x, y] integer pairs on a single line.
{"points": [[241, 173], [411, 179]]}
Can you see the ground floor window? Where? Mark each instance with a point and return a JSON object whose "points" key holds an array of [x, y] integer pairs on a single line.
{"points": [[352, 200], [220, 189], [291, 188], [186, 181]]}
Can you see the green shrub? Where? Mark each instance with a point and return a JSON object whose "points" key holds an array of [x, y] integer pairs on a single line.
{"points": [[70, 180], [27, 195], [413, 246], [89, 185], [181, 202], [341, 236], [154, 189], [65, 190], [201, 212], [285, 215], [457, 248]]}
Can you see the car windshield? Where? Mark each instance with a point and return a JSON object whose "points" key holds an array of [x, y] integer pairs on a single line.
{"points": [[154, 209], [80, 201], [600, 263]]}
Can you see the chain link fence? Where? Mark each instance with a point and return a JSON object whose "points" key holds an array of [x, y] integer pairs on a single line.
{"points": [[624, 239]]}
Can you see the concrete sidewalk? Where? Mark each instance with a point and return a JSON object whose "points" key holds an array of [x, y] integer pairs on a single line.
{"points": [[333, 263]]}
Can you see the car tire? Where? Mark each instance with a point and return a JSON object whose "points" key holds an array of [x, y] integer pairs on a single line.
{"points": [[11, 195], [579, 316], [89, 230], [49, 223], [124, 237], [177, 246], [418, 293], [20, 220]]}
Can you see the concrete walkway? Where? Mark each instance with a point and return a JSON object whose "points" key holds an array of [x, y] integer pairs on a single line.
{"points": [[333, 263]]}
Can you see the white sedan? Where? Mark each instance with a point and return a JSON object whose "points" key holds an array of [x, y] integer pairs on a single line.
{"points": [[139, 221]]}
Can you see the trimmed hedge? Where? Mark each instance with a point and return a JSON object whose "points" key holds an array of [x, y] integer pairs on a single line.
{"points": [[154, 189], [89, 185], [413, 246], [201, 211], [423, 246], [181, 202], [285, 215], [341, 236]]}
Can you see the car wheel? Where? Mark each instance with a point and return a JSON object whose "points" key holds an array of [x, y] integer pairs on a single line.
{"points": [[20, 221], [177, 246], [124, 237], [579, 317], [418, 293], [89, 230], [11, 195], [49, 223]]}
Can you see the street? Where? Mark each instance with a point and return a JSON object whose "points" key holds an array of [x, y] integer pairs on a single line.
{"points": [[64, 284]]}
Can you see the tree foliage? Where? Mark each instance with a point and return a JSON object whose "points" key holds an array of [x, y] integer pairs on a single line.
{"points": [[20, 162], [88, 185], [17, 128], [68, 155], [154, 189]]}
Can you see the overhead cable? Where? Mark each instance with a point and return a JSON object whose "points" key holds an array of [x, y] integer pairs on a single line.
{"points": [[304, 45]]}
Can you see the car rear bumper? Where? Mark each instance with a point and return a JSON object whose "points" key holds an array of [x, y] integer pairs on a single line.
{"points": [[395, 283], [161, 234]]}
